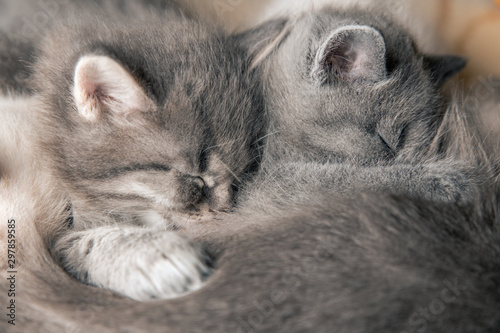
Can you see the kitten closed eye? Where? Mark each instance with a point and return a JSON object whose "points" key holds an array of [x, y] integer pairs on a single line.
{"points": [[361, 101]]}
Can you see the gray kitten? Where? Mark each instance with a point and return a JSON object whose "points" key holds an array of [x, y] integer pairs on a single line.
{"points": [[350, 90], [150, 127], [373, 263]]}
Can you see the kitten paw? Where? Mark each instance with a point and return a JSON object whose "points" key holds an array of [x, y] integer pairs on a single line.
{"points": [[166, 267], [139, 264], [451, 186]]}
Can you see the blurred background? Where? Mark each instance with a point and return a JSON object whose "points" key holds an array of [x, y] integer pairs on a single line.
{"points": [[467, 27]]}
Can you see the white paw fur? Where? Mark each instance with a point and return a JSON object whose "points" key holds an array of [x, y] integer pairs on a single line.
{"points": [[141, 264]]}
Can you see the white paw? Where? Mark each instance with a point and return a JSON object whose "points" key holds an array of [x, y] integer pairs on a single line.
{"points": [[148, 265]]}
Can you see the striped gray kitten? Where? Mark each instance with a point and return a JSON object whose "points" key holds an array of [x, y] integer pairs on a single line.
{"points": [[150, 127]]}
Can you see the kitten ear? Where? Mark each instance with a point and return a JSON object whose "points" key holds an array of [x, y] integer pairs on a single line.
{"points": [[264, 39], [352, 53], [103, 85], [444, 67]]}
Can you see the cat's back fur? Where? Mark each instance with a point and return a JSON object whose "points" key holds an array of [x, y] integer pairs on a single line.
{"points": [[367, 265]]}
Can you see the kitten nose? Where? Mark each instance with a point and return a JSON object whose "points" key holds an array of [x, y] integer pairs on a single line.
{"points": [[196, 187], [206, 191]]}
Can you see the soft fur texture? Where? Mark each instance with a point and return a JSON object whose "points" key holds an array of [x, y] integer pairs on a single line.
{"points": [[297, 258], [23, 23], [147, 126], [14, 59], [367, 265], [369, 123]]}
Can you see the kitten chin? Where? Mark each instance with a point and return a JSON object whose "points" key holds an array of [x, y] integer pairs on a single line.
{"points": [[174, 221]]}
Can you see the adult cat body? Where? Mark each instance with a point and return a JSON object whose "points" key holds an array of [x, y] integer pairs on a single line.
{"points": [[369, 264]]}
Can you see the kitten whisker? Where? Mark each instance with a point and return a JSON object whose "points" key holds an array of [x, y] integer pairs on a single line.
{"points": [[265, 136], [229, 170]]}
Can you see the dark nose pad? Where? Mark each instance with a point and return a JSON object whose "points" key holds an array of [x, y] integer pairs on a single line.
{"points": [[206, 191], [196, 190]]}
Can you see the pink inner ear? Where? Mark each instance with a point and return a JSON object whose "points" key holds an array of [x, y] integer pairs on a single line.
{"points": [[89, 87], [104, 85], [342, 59], [352, 53], [361, 61], [86, 83]]}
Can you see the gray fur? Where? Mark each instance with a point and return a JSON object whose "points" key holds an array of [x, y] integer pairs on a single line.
{"points": [[25, 22], [15, 55], [156, 170], [371, 264], [297, 258], [369, 118]]}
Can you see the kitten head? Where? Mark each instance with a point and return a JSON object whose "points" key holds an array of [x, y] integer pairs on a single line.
{"points": [[351, 85], [149, 121]]}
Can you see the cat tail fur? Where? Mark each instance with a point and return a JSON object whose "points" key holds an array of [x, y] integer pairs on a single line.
{"points": [[31, 207]]}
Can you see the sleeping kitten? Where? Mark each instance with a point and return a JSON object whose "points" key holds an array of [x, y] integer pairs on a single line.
{"points": [[374, 263], [355, 107], [150, 127]]}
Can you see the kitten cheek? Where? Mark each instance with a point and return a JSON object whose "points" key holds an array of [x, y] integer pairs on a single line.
{"points": [[221, 198]]}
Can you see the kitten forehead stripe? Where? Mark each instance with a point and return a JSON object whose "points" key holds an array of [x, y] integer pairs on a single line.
{"points": [[116, 172]]}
